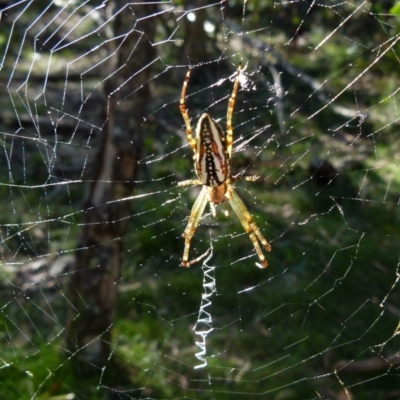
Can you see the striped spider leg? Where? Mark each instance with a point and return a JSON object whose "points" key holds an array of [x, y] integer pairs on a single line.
{"points": [[212, 154]]}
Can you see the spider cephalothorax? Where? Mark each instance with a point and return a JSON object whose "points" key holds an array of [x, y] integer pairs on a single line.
{"points": [[212, 153]]}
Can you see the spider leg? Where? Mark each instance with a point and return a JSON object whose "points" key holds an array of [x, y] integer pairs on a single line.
{"points": [[213, 209], [231, 104], [248, 224], [185, 114], [195, 215], [251, 178], [199, 258], [190, 182], [226, 210]]}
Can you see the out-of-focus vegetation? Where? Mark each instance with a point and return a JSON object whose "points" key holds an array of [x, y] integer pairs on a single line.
{"points": [[327, 199]]}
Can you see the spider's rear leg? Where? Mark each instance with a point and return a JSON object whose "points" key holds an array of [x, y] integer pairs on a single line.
{"points": [[195, 215], [248, 224]]}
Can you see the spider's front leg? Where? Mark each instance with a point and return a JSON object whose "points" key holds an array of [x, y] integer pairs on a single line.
{"points": [[185, 115], [231, 105]]}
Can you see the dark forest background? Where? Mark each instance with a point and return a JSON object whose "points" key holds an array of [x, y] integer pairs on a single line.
{"points": [[93, 301]]}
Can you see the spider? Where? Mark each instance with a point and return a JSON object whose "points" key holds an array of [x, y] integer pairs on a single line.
{"points": [[212, 161]]}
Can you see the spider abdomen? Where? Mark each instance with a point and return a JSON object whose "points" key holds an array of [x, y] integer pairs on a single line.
{"points": [[212, 158]]}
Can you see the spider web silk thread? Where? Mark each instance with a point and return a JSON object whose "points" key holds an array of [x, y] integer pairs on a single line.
{"points": [[203, 326]]}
